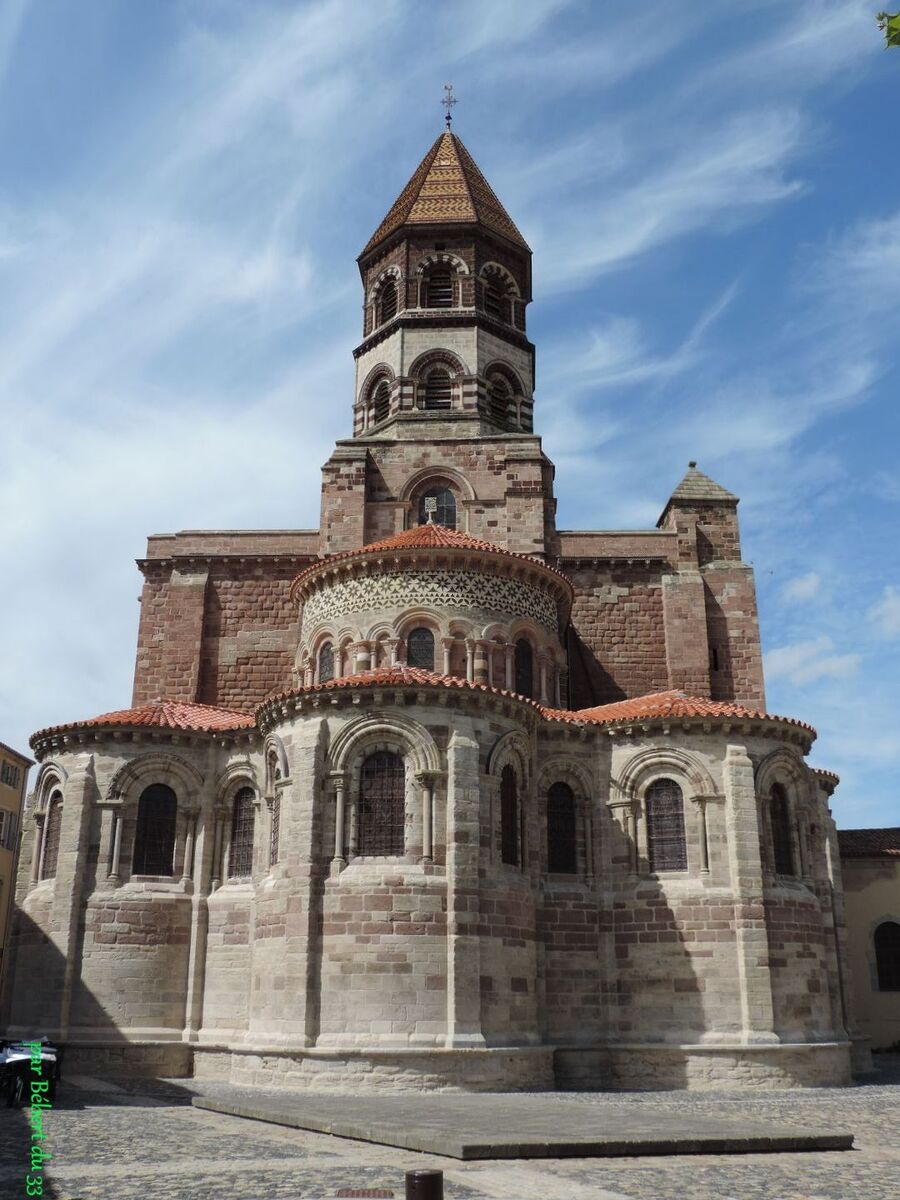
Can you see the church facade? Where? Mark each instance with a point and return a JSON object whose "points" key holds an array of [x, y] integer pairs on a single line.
{"points": [[440, 795]]}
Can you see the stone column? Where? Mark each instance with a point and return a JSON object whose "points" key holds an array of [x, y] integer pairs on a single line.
{"points": [[745, 864], [68, 892], [216, 870], [542, 661], [481, 671], [510, 667], [115, 862], [463, 837], [700, 801], [363, 656], [447, 646], [187, 868], [427, 782], [394, 646], [470, 660], [338, 858], [37, 857]]}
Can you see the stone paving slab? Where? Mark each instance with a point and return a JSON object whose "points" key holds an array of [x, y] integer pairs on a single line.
{"points": [[544, 1125]]}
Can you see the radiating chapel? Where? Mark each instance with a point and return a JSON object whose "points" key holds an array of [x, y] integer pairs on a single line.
{"points": [[438, 794]]}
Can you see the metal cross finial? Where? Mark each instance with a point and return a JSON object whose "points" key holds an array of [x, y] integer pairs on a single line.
{"points": [[448, 101]]}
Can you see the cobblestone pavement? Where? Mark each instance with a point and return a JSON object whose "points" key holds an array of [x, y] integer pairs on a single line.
{"points": [[141, 1140]]}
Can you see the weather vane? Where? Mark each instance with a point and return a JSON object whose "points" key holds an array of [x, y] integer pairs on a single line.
{"points": [[448, 101]]}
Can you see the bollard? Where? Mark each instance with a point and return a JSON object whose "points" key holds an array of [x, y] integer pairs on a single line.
{"points": [[424, 1185]]}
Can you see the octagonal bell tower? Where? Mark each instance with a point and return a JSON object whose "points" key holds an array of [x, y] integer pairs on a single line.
{"points": [[444, 384]]}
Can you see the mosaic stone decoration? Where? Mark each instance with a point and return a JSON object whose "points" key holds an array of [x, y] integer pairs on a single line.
{"points": [[432, 589]]}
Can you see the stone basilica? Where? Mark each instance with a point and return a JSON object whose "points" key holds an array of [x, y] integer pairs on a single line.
{"points": [[440, 795]]}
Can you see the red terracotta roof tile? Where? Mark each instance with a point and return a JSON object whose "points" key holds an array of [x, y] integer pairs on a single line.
{"points": [[673, 704], [397, 677], [423, 537], [869, 843], [164, 714], [447, 187], [676, 705]]}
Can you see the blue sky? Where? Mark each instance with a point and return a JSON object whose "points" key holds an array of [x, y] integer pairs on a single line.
{"points": [[713, 202]]}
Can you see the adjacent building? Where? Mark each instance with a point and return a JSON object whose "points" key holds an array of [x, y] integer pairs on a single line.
{"points": [[13, 775], [870, 865], [438, 794]]}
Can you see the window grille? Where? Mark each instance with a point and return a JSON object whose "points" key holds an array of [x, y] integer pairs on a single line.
{"points": [[509, 817], [438, 389], [561, 845], [780, 820], [887, 956], [381, 399], [499, 392], [240, 853], [445, 513], [382, 805], [326, 662], [52, 827], [388, 301], [154, 840], [494, 302], [420, 649], [666, 846], [524, 668], [275, 830], [439, 289]]}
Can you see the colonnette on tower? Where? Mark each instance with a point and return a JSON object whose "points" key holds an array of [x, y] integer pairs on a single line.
{"points": [[439, 794]]}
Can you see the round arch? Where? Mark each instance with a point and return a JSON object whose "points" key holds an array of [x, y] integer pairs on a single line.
{"points": [[496, 270], [166, 768], [441, 258], [510, 749], [659, 762], [395, 732], [378, 283], [437, 357], [434, 476]]}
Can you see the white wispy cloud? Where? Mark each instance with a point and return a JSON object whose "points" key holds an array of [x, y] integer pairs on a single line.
{"points": [[885, 614], [802, 587], [806, 662]]}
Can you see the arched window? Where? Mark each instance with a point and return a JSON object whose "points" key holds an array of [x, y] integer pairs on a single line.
{"points": [[509, 817], [420, 649], [438, 389], [561, 852], [887, 956], [666, 847], [499, 396], [326, 662], [780, 821], [52, 827], [154, 841], [387, 307], [439, 288], [240, 853], [381, 402], [445, 507], [524, 668], [382, 804]]}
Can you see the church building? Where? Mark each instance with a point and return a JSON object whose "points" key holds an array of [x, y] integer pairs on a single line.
{"points": [[438, 794]]}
